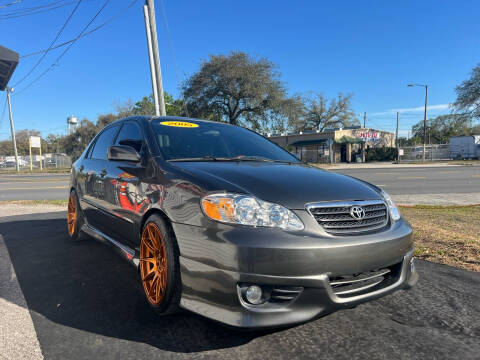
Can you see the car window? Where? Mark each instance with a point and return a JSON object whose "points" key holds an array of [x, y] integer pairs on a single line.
{"points": [[102, 144], [130, 135], [209, 139]]}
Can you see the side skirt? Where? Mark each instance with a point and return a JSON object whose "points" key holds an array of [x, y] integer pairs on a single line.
{"points": [[125, 252]]}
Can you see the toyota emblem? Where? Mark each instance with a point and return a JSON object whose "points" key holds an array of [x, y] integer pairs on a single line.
{"points": [[357, 212]]}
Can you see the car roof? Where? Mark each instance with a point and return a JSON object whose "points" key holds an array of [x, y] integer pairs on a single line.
{"points": [[149, 118]]}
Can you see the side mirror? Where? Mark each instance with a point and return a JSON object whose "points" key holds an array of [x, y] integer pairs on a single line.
{"points": [[123, 153]]}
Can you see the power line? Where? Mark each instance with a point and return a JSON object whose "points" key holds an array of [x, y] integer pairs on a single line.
{"points": [[85, 34], [26, 10], [68, 48], [35, 10], [51, 44], [172, 50], [10, 4]]}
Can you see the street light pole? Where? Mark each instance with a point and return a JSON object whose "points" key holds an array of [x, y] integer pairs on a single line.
{"points": [[425, 124], [424, 119], [396, 140], [9, 90]]}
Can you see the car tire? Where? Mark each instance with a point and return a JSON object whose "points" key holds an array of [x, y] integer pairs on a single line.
{"points": [[75, 218], [160, 266]]}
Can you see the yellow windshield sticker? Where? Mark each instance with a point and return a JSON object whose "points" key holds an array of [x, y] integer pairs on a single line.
{"points": [[183, 124]]}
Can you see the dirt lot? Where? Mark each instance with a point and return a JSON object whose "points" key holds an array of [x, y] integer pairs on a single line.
{"points": [[448, 235]]}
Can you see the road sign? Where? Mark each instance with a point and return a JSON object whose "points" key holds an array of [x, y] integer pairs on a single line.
{"points": [[35, 141]]}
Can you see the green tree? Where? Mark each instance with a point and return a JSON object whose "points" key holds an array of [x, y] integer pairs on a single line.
{"points": [[468, 95], [105, 119], [52, 144], [146, 106], [22, 139], [235, 88], [441, 128], [75, 143], [320, 113]]}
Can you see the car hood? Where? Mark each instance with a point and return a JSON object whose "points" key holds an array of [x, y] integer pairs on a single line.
{"points": [[290, 185]]}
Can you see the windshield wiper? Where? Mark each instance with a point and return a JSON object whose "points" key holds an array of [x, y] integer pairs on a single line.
{"points": [[203, 158], [256, 158], [232, 159]]}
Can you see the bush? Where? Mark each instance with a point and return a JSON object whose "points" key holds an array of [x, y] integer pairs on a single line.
{"points": [[381, 154]]}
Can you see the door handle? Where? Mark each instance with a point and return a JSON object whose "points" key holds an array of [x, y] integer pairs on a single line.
{"points": [[103, 173]]}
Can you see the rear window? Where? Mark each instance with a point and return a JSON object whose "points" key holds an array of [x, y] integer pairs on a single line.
{"points": [[104, 141]]}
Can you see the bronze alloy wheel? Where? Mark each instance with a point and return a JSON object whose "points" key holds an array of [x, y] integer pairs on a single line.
{"points": [[153, 264], [72, 214]]}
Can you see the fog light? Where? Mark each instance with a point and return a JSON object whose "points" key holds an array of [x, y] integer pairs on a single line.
{"points": [[412, 266], [254, 294]]}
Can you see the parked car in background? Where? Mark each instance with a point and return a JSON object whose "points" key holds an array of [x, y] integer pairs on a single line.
{"points": [[222, 222], [417, 152]]}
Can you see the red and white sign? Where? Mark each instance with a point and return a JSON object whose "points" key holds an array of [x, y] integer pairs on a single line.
{"points": [[369, 135]]}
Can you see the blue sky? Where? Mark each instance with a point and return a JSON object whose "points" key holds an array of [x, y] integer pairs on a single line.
{"points": [[369, 48]]}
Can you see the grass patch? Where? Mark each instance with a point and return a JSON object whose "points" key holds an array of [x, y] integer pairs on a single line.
{"points": [[446, 234], [36, 202]]}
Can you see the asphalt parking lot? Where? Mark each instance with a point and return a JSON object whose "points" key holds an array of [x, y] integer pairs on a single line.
{"points": [[85, 303]]}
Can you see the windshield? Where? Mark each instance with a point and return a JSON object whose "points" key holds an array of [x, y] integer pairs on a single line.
{"points": [[209, 141]]}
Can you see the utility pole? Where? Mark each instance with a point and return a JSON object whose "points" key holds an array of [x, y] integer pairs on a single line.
{"points": [[152, 61], [365, 139], [156, 55], [425, 124], [9, 90], [396, 141], [424, 119]]}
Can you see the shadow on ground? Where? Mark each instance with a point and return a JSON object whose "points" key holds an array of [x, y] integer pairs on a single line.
{"points": [[87, 286]]}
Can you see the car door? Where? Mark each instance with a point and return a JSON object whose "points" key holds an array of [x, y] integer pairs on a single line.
{"points": [[121, 183], [96, 195]]}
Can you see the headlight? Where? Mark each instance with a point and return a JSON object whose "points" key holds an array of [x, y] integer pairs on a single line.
{"points": [[247, 210], [394, 212]]}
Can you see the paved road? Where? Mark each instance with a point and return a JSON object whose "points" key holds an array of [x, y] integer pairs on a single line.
{"points": [[418, 180], [33, 187], [404, 181], [85, 303]]}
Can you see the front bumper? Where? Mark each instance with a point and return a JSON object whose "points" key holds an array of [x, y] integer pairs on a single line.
{"points": [[214, 263]]}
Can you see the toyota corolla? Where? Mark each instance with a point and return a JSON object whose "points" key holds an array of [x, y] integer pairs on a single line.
{"points": [[221, 221]]}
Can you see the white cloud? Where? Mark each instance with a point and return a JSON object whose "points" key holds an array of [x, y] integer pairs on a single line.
{"points": [[421, 108], [438, 107]]}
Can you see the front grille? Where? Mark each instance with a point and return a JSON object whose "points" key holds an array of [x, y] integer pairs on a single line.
{"points": [[358, 284], [335, 217]]}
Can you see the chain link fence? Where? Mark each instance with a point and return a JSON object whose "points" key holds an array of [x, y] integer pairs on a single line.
{"points": [[48, 161], [432, 152]]}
